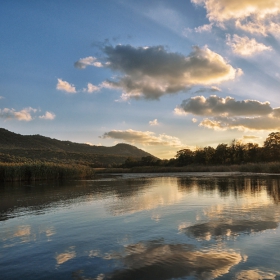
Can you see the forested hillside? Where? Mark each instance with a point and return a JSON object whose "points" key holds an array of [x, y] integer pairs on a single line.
{"points": [[16, 148]]}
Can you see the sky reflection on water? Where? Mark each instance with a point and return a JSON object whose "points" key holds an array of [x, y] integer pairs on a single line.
{"points": [[178, 227]]}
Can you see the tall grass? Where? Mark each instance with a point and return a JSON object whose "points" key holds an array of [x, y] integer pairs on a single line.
{"points": [[43, 171], [53, 171], [155, 169], [269, 167]]}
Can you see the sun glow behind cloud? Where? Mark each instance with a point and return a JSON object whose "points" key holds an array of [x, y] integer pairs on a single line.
{"points": [[228, 113], [152, 72]]}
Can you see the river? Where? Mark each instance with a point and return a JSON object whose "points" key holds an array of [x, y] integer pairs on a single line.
{"points": [[142, 226]]}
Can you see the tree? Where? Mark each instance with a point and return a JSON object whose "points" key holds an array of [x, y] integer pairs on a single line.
{"points": [[148, 161], [221, 154], [252, 152], [199, 156], [130, 162], [272, 146], [184, 157], [209, 154], [237, 152]]}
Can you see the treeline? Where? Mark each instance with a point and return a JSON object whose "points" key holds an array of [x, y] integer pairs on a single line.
{"points": [[224, 154], [236, 156]]}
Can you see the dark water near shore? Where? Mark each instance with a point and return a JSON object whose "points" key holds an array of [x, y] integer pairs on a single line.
{"points": [[135, 226]]}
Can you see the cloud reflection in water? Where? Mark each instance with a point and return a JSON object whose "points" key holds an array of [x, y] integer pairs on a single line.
{"points": [[227, 228], [253, 211], [157, 260], [160, 194], [66, 256], [254, 274]]}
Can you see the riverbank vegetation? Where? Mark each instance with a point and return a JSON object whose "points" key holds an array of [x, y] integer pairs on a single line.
{"points": [[271, 167], [234, 157], [236, 153], [43, 171]]}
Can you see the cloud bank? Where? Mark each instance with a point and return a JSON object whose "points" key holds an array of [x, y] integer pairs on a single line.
{"points": [[151, 72], [254, 16], [219, 106], [269, 123], [228, 113], [147, 138]]}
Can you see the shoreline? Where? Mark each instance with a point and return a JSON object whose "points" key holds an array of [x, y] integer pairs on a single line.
{"points": [[12, 172]]}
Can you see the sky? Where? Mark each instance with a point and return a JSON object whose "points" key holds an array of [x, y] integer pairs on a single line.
{"points": [[161, 75]]}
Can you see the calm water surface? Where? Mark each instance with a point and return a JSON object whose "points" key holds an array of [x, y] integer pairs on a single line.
{"points": [[171, 226]]}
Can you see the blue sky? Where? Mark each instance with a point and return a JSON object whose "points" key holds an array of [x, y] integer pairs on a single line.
{"points": [[160, 75]]}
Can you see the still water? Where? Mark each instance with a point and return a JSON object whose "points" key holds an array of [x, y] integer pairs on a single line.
{"points": [[135, 226]]}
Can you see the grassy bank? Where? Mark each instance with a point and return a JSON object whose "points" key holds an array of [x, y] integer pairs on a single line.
{"points": [[271, 167], [43, 171], [51, 171], [268, 167]]}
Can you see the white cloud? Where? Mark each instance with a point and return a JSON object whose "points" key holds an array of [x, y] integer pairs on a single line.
{"points": [[143, 137], [151, 72], [219, 106], [107, 84], [179, 112], [204, 28], [82, 63], [48, 116], [154, 122], [269, 123], [245, 46], [194, 120], [255, 16], [23, 115], [65, 86], [91, 88], [222, 10]]}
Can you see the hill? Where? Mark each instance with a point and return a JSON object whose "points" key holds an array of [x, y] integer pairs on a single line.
{"points": [[27, 148]]}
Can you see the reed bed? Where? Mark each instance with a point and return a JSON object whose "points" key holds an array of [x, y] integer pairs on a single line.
{"points": [[53, 171], [43, 171], [268, 167], [163, 169]]}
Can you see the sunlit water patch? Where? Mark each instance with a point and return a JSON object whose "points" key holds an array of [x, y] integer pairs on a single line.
{"points": [[135, 226]]}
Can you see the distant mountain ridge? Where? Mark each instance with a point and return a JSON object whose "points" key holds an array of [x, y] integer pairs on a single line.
{"points": [[36, 147]]}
